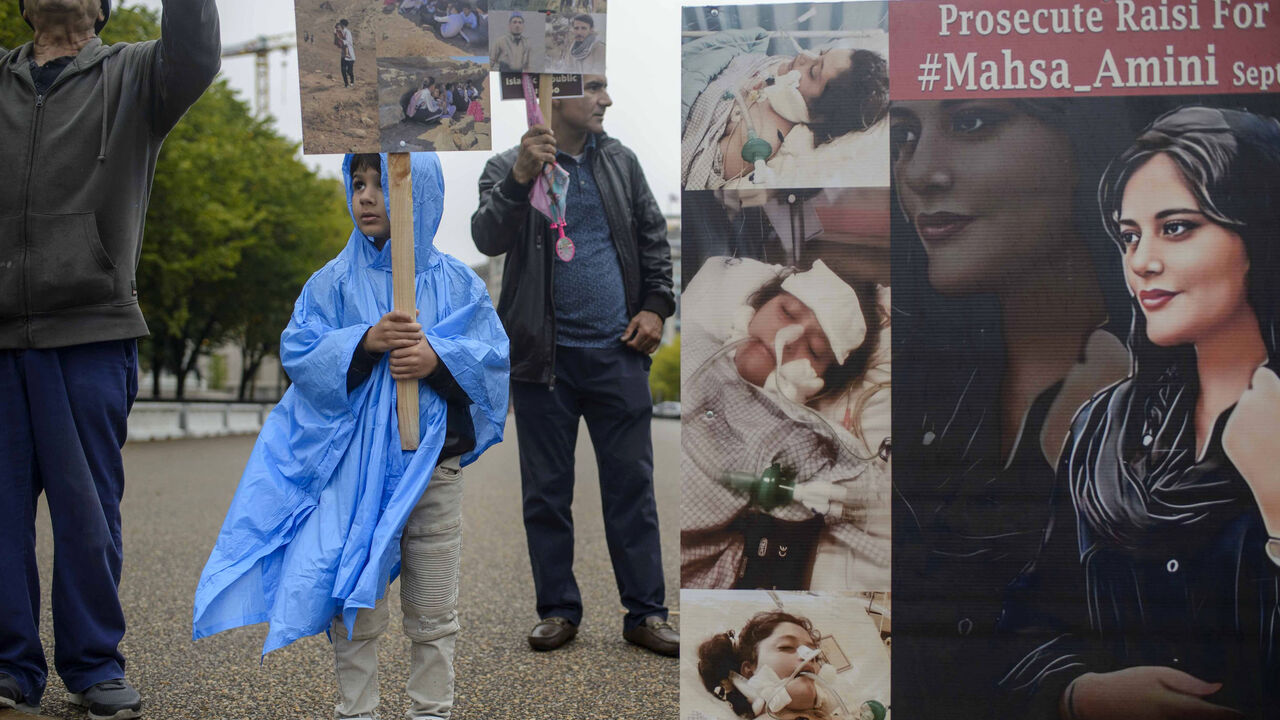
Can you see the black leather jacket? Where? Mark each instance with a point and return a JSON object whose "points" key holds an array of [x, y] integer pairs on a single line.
{"points": [[505, 222]]}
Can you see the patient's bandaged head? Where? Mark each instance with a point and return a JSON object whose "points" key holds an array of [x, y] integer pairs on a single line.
{"points": [[836, 305]]}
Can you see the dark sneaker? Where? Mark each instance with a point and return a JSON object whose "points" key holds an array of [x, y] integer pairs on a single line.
{"points": [[656, 634], [110, 700], [11, 695], [552, 632]]}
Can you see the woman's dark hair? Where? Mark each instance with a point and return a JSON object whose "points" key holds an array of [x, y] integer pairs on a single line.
{"points": [[366, 161], [1230, 160], [852, 101], [838, 377], [724, 653]]}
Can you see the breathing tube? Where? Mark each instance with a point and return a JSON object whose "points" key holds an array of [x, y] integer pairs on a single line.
{"points": [[776, 487], [756, 150]]}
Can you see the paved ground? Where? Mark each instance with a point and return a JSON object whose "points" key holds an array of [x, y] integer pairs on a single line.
{"points": [[176, 496]]}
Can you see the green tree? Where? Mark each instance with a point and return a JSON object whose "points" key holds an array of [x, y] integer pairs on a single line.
{"points": [[127, 24], [307, 225], [664, 375], [236, 225]]}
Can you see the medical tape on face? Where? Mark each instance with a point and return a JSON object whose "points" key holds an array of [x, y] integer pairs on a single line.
{"points": [[796, 381]]}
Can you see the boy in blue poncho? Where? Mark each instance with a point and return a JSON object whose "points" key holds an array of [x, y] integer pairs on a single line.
{"points": [[314, 533]]}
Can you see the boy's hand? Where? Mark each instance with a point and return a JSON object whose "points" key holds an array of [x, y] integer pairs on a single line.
{"points": [[412, 363], [396, 329]]}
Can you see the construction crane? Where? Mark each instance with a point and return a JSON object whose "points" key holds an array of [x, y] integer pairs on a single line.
{"points": [[260, 47]]}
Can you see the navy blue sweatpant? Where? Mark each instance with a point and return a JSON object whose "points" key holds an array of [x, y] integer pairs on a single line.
{"points": [[63, 413], [610, 388]]}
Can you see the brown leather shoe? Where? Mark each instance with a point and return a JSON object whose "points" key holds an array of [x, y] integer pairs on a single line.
{"points": [[656, 634], [551, 632]]}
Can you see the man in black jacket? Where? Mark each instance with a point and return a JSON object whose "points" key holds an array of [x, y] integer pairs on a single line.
{"points": [[583, 316]]}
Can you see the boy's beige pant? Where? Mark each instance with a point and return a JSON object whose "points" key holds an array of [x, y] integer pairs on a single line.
{"points": [[430, 549]]}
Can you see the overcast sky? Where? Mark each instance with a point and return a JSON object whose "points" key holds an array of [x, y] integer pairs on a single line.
{"points": [[643, 47]]}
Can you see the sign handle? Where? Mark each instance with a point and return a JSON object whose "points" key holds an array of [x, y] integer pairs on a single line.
{"points": [[544, 97], [402, 284]]}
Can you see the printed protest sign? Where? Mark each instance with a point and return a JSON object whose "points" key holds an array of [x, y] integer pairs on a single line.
{"points": [[406, 75]]}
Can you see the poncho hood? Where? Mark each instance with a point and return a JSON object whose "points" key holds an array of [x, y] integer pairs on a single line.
{"points": [[314, 527], [428, 207]]}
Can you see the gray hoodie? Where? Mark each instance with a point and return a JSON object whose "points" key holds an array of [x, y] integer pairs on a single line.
{"points": [[79, 161]]}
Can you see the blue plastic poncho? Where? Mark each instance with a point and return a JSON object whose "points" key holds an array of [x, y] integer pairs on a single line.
{"points": [[314, 528]]}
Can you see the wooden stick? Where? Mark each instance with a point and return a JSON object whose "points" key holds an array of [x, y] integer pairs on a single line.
{"points": [[544, 97], [402, 284]]}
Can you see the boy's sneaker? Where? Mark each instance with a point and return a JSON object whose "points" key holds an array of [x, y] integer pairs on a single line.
{"points": [[11, 695], [109, 700]]}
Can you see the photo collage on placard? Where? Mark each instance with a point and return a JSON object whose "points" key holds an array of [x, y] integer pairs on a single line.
{"points": [[548, 36], [400, 76], [785, 372]]}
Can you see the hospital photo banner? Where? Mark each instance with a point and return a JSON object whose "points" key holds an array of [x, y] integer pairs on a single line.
{"points": [[785, 536], [1060, 464]]}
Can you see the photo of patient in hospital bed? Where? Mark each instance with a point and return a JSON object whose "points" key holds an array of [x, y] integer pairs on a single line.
{"points": [[785, 656], [785, 391], [789, 95]]}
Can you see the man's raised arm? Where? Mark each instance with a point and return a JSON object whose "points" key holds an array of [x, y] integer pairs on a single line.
{"points": [[187, 60]]}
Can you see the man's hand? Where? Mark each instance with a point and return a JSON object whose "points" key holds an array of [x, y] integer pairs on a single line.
{"points": [[1142, 693], [644, 332], [396, 329], [537, 148], [1248, 440], [415, 362]]}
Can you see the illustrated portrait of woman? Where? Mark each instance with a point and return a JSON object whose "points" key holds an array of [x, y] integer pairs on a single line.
{"points": [[1009, 313], [1174, 473]]}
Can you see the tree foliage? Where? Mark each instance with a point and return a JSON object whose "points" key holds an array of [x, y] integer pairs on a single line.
{"points": [[664, 375], [127, 24], [236, 223]]}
